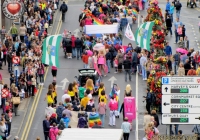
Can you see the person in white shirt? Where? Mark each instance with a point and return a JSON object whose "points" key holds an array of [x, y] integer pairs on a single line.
{"points": [[143, 62], [126, 127], [65, 96]]}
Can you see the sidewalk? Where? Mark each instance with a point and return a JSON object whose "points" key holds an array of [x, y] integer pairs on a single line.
{"points": [[17, 121]]}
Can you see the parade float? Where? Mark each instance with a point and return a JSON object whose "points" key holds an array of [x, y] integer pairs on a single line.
{"points": [[158, 57]]}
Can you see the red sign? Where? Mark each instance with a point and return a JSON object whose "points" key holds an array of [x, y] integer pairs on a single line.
{"points": [[15, 60]]}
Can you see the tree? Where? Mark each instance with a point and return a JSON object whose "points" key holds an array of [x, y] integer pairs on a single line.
{"points": [[159, 59]]}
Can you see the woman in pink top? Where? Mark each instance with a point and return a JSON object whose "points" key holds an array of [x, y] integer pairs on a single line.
{"points": [[54, 72], [179, 31], [113, 105], [53, 132], [88, 20]]}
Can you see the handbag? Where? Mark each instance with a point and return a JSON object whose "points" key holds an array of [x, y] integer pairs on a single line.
{"points": [[16, 100]]}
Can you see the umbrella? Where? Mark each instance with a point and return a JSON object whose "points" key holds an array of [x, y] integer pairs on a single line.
{"points": [[181, 50], [99, 46]]}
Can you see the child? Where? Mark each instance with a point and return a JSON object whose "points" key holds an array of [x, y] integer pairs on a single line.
{"points": [[85, 57], [103, 96], [116, 65], [181, 43], [179, 31], [101, 87], [90, 105], [75, 88], [81, 91]]}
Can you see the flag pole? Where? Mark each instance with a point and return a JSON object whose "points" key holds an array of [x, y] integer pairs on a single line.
{"points": [[136, 100], [138, 19]]}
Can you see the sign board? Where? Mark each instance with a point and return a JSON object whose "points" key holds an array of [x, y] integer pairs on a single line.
{"points": [[130, 108], [175, 80], [180, 100], [180, 104], [180, 119], [15, 60], [180, 89]]}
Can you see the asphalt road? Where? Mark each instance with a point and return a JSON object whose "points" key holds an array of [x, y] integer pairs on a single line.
{"points": [[69, 68]]}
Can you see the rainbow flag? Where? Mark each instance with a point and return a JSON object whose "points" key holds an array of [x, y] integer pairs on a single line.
{"points": [[94, 117], [96, 21], [134, 11]]}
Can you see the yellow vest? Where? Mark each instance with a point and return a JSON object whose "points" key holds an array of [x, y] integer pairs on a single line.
{"points": [[49, 99], [100, 90], [91, 88], [103, 97], [71, 93]]}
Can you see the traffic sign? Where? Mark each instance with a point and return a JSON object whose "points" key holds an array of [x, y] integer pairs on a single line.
{"points": [[180, 89], [180, 98], [180, 119], [180, 80], [180, 104], [15, 60]]}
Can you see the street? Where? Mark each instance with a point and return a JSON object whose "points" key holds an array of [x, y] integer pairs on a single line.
{"points": [[69, 69]]}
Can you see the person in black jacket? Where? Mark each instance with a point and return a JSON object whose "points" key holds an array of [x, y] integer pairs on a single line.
{"points": [[46, 127], [127, 68], [78, 46], [169, 24], [63, 9]]}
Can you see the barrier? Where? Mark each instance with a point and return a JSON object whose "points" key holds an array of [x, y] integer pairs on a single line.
{"points": [[183, 137]]}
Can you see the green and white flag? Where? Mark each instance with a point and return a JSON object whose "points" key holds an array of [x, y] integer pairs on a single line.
{"points": [[143, 35], [50, 52]]}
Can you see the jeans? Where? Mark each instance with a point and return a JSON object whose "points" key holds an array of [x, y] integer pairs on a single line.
{"points": [[176, 36], [85, 66], [63, 17], [175, 66], [3, 104], [175, 129], [139, 68], [9, 128], [170, 30], [126, 136], [41, 76], [172, 17], [73, 52], [102, 118], [144, 72], [134, 66], [78, 53], [128, 72], [10, 66], [178, 13], [108, 64], [46, 135]]}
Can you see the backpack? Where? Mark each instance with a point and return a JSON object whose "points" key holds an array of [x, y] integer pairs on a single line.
{"points": [[59, 111], [82, 122], [64, 8], [61, 125], [66, 121]]}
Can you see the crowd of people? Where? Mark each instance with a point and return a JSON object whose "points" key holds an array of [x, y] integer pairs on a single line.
{"points": [[24, 42]]}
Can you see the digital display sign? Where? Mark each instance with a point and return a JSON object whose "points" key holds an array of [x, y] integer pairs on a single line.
{"points": [[179, 120], [179, 110], [181, 90], [179, 101]]}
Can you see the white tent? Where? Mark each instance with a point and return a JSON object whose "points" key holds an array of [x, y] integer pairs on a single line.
{"points": [[91, 134]]}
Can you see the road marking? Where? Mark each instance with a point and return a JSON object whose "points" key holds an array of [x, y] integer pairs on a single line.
{"points": [[29, 121]]}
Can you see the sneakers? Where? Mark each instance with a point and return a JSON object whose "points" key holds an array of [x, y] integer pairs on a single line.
{"points": [[175, 42]]}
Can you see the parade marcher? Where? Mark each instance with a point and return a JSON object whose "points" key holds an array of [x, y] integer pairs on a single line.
{"points": [[46, 127], [53, 132], [113, 105], [126, 127], [54, 72], [127, 68], [59, 111], [102, 111], [63, 9]]}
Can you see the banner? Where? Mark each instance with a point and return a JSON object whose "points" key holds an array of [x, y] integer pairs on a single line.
{"points": [[130, 108], [129, 33], [101, 29]]}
